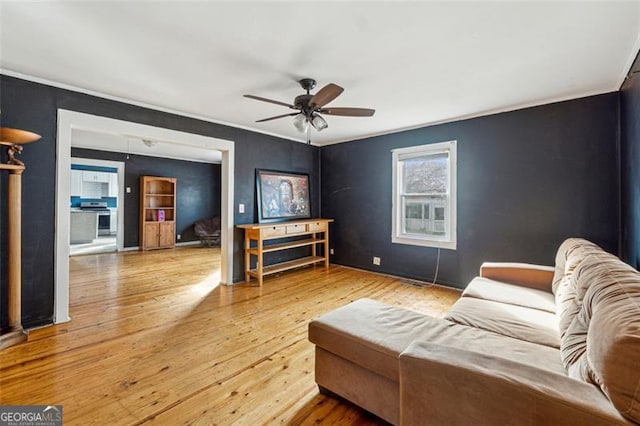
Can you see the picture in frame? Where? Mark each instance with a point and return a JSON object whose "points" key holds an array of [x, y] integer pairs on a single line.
{"points": [[282, 196]]}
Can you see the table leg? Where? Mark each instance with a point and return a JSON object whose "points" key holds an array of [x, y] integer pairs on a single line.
{"points": [[247, 257]]}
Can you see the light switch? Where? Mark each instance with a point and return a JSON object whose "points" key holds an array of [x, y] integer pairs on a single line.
{"points": [[128, 190], [241, 208]]}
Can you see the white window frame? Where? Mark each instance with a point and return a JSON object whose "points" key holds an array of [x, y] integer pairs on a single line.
{"points": [[448, 241]]}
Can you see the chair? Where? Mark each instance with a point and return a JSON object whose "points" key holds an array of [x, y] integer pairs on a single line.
{"points": [[208, 230]]}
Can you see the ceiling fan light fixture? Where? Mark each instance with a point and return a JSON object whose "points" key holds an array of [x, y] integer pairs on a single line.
{"points": [[319, 123], [300, 122], [308, 107]]}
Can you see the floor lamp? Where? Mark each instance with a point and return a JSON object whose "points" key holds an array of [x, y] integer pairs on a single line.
{"points": [[12, 140]]}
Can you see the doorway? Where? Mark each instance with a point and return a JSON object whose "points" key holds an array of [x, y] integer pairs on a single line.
{"points": [[69, 121], [97, 206]]}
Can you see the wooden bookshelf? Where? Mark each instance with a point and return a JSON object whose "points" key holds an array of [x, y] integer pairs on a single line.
{"points": [[157, 212]]}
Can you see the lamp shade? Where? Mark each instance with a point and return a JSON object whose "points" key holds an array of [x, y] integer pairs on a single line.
{"points": [[319, 123], [16, 136], [301, 123]]}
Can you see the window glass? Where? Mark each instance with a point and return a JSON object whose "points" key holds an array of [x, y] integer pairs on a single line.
{"points": [[424, 195]]}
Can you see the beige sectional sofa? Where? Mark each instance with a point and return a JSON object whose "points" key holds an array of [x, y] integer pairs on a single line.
{"points": [[524, 345]]}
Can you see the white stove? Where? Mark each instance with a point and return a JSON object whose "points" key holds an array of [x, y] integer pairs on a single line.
{"points": [[104, 215]]}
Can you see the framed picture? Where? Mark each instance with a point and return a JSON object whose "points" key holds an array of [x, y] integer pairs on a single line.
{"points": [[282, 196]]}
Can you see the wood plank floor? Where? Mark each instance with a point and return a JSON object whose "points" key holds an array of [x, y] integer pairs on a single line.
{"points": [[154, 339]]}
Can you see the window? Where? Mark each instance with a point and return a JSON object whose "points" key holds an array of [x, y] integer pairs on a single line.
{"points": [[424, 195]]}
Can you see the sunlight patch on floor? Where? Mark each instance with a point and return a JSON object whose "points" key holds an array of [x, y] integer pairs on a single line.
{"points": [[207, 285], [99, 245]]}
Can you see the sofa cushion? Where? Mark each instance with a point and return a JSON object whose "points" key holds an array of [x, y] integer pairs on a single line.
{"points": [[372, 334], [487, 289], [519, 322], [602, 342], [496, 345], [570, 253], [569, 296], [573, 287], [441, 385], [570, 290]]}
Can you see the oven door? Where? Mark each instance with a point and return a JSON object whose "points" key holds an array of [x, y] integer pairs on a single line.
{"points": [[104, 223]]}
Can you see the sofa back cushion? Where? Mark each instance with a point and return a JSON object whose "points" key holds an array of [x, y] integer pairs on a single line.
{"points": [[569, 255], [568, 289], [601, 315]]}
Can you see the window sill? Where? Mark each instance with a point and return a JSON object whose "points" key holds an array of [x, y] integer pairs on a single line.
{"points": [[449, 245]]}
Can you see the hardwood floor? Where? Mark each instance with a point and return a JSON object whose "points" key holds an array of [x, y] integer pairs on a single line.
{"points": [[154, 339]]}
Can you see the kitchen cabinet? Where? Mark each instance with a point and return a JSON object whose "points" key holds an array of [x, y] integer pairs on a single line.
{"points": [[76, 183], [91, 176], [157, 212], [113, 222], [113, 184]]}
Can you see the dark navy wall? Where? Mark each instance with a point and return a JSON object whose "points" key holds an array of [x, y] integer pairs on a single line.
{"points": [[526, 180], [32, 106], [630, 165], [198, 189]]}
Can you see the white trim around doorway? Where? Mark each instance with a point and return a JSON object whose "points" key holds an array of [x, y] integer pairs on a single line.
{"points": [[70, 120]]}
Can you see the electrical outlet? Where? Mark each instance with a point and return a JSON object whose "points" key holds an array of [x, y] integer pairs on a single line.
{"points": [[376, 260], [179, 236], [240, 208], [128, 190], [331, 251]]}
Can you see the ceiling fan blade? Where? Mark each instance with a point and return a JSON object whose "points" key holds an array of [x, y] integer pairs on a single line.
{"points": [[277, 116], [271, 101], [348, 112], [326, 95]]}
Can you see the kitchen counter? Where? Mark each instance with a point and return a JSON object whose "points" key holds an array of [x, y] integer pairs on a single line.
{"points": [[84, 226]]}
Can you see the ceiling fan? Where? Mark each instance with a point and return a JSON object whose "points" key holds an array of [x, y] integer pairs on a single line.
{"points": [[309, 107]]}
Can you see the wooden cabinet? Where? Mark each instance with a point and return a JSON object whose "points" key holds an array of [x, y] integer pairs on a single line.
{"points": [[159, 235], [257, 243], [151, 238], [157, 212], [167, 234]]}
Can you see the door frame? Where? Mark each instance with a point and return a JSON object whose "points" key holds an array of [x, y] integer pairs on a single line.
{"points": [[70, 120]]}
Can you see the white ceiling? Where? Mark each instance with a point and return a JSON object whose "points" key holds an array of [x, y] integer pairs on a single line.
{"points": [[150, 147], [416, 63]]}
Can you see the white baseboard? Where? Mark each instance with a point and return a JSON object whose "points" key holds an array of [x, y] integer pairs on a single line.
{"points": [[189, 243]]}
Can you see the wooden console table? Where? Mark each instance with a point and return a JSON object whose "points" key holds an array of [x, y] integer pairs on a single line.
{"points": [[261, 233]]}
